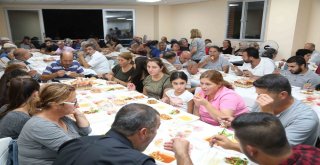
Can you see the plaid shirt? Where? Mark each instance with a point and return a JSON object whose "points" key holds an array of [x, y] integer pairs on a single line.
{"points": [[303, 155]]}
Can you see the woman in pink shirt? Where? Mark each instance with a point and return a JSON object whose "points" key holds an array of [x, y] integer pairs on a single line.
{"points": [[217, 99]]}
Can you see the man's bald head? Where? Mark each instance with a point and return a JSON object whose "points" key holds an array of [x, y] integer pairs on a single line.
{"points": [[66, 59], [21, 54], [185, 56]]}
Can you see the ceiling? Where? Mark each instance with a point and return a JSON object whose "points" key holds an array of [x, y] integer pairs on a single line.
{"points": [[94, 2]]}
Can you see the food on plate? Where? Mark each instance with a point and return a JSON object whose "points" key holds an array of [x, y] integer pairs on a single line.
{"points": [[236, 161], [48, 59], [82, 83], [174, 112], [91, 111], [119, 88], [165, 117], [96, 90], [157, 155], [185, 118], [152, 101], [139, 97], [307, 92], [244, 83], [119, 102]]}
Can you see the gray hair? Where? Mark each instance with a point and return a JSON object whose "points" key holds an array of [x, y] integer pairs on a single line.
{"points": [[191, 63], [132, 117]]}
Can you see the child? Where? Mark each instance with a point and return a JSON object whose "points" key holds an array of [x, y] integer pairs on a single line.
{"points": [[179, 97]]}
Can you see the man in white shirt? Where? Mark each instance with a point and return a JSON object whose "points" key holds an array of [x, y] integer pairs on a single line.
{"points": [[94, 60], [254, 66], [62, 48], [315, 56]]}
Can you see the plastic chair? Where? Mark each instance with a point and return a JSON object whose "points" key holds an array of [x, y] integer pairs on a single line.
{"points": [[4, 149]]}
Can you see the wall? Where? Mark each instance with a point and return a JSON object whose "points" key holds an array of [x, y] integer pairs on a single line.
{"points": [[301, 31], [281, 25], [3, 24], [24, 23], [209, 17], [313, 32], [144, 15]]}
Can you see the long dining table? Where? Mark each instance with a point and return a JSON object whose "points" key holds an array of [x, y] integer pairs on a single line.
{"points": [[101, 101]]}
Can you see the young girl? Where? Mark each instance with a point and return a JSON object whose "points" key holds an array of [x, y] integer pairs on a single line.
{"points": [[178, 96]]}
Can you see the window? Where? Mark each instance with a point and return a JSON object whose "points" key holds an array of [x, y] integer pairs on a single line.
{"points": [[71, 23], [246, 19]]}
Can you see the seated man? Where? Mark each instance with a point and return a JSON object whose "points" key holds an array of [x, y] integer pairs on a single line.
{"points": [[22, 55], [263, 139], [48, 47], [182, 60], [168, 59], [94, 60], [315, 56], [192, 69], [134, 127], [62, 48], [7, 53], [66, 67], [254, 66], [298, 73], [299, 120], [215, 60], [306, 54]]}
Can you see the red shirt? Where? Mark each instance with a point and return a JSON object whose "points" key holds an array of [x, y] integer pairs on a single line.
{"points": [[304, 155]]}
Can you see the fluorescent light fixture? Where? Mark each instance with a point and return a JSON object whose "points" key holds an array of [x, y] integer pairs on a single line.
{"points": [[233, 4], [121, 18], [149, 1], [110, 16], [130, 19]]}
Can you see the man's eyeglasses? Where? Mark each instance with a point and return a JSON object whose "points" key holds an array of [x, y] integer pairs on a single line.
{"points": [[71, 103]]}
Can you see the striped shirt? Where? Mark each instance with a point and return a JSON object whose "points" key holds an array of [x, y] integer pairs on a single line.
{"points": [[56, 66]]}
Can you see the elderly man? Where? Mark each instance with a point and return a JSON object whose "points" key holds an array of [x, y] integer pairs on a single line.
{"points": [[66, 67], [133, 129], [94, 60], [182, 60], [263, 139], [298, 73], [22, 55], [254, 66], [315, 56], [274, 96], [62, 48]]}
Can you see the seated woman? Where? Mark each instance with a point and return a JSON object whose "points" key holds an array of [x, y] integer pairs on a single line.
{"points": [[217, 99], [140, 73], [215, 60], [175, 47], [50, 127], [115, 44], [9, 74], [122, 72], [226, 47], [158, 79], [21, 93], [242, 47]]}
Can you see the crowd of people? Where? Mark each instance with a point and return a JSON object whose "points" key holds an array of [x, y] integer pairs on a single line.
{"points": [[48, 126]]}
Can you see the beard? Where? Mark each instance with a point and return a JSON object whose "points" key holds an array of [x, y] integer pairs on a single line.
{"points": [[247, 61], [297, 71]]}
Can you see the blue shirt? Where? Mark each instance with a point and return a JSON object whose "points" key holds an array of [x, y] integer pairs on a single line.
{"points": [[4, 55], [56, 66]]}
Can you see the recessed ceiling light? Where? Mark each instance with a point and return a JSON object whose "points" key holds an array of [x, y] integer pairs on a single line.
{"points": [[150, 1], [233, 4]]}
